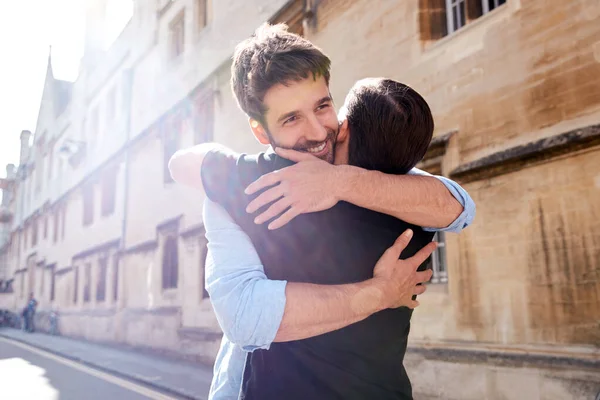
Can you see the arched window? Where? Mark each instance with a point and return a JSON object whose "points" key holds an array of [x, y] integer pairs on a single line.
{"points": [[170, 264]]}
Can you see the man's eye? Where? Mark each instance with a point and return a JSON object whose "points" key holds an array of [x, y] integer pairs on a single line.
{"points": [[323, 106], [290, 119]]}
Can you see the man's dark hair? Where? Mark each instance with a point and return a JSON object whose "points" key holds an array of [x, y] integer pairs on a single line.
{"points": [[272, 56], [390, 126]]}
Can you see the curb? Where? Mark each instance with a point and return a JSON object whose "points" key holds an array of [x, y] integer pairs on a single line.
{"points": [[121, 374]]}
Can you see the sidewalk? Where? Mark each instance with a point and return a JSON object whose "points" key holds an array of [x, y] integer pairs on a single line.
{"points": [[191, 381]]}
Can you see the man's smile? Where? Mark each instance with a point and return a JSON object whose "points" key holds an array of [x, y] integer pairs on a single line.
{"points": [[317, 149]]}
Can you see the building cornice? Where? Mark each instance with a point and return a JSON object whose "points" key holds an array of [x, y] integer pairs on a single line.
{"points": [[519, 157]]}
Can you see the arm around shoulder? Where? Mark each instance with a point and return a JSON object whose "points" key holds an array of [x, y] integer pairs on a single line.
{"points": [[186, 164]]}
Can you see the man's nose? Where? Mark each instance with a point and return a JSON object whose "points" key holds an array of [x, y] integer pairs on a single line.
{"points": [[317, 132]]}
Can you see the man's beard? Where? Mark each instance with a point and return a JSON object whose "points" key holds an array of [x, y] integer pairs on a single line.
{"points": [[330, 142]]}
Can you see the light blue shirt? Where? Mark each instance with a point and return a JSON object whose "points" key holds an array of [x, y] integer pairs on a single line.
{"points": [[248, 306]]}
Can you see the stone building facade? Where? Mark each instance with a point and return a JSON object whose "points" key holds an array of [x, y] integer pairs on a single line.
{"points": [[104, 237]]}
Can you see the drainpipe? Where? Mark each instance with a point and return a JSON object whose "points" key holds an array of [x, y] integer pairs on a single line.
{"points": [[128, 100], [129, 75]]}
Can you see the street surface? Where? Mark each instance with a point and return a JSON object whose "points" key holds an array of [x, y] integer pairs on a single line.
{"points": [[27, 373]]}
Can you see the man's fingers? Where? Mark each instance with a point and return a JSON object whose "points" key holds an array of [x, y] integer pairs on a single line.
{"points": [[422, 254], [419, 289], [266, 197], [293, 155], [269, 179], [424, 276], [284, 219], [274, 210], [401, 243]]}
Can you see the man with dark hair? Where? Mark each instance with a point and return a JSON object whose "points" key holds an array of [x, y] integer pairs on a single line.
{"points": [[402, 119], [321, 286]]}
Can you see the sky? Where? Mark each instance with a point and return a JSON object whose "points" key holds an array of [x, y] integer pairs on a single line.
{"points": [[27, 30]]}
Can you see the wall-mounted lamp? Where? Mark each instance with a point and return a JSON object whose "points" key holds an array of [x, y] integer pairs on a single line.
{"points": [[70, 147], [73, 151]]}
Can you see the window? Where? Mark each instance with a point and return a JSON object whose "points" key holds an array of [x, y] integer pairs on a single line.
{"points": [[43, 281], [52, 282], [292, 14], [439, 18], [202, 13], [115, 277], [171, 133], [34, 231], [45, 226], [433, 162], [109, 186], [101, 284], [88, 205], [75, 284], [438, 260], [177, 36], [203, 254], [203, 118], [170, 263], [87, 281], [455, 13], [14, 243], [491, 4], [55, 227]]}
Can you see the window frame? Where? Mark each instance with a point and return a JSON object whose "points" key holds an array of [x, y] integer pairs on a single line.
{"points": [[109, 193], [88, 205], [170, 262], [75, 284], [439, 263], [115, 278], [201, 14], [101, 282], [87, 282], [176, 31], [450, 7]]}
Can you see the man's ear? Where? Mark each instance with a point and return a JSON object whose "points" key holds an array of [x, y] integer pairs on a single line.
{"points": [[259, 131], [344, 132]]}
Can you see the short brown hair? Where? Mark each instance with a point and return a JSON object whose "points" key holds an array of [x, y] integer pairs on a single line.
{"points": [[272, 56], [390, 125]]}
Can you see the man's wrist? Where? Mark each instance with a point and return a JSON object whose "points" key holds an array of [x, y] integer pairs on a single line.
{"points": [[370, 297], [347, 181]]}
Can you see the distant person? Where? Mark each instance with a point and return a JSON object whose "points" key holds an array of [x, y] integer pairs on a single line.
{"points": [[29, 313], [54, 322]]}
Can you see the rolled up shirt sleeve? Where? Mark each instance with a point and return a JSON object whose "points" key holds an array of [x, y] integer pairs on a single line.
{"points": [[249, 307], [468, 214]]}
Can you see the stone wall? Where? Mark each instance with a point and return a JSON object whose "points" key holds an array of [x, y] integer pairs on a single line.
{"points": [[527, 270]]}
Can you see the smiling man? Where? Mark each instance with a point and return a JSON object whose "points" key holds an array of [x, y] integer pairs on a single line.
{"points": [[319, 309], [310, 127]]}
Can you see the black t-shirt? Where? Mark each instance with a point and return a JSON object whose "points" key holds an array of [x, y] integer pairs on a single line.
{"points": [[336, 246]]}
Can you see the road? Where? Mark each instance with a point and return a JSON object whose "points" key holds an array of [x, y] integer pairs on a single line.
{"points": [[27, 373]]}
